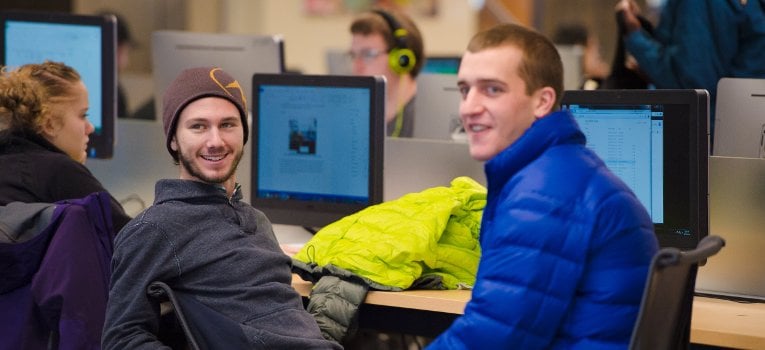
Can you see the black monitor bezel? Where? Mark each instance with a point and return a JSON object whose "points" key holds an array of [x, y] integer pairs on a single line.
{"points": [[309, 213], [100, 145], [697, 147]]}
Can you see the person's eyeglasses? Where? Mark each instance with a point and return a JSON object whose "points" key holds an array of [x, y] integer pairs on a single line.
{"points": [[367, 55]]}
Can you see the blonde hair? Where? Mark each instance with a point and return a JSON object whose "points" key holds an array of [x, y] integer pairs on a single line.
{"points": [[28, 93]]}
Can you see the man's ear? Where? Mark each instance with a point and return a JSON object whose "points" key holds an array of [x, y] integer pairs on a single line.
{"points": [[173, 144], [545, 100]]}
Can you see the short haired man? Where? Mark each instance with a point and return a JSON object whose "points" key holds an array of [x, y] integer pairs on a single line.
{"points": [[388, 43], [565, 244], [200, 238]]}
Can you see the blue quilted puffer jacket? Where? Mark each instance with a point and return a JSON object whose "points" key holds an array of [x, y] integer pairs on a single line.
{"points": [[565, 245]]}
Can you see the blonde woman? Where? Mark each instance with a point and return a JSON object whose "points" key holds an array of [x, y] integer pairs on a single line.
{"points": [[43, 137]]}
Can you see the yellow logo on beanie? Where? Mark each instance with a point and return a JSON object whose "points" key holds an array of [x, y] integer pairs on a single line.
{"points": [[232, 85]]}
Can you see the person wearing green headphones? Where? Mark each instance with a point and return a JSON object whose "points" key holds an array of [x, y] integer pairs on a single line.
{"points": [[388, 43]]}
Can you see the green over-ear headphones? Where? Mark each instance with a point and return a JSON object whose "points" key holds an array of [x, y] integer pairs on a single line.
{"points": [[401, 59]]}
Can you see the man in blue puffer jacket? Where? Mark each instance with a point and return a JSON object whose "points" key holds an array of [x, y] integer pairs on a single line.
{"points": [[565, 244]]}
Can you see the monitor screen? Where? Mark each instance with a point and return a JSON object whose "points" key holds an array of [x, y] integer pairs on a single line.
{"points": [[656, 141], [441, 64], [86, 43], [317, 146]]}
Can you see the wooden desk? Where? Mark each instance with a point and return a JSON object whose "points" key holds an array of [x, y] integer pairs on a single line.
{"points": [[728, 323], [420, 312], [714, 321], [446, 301]]}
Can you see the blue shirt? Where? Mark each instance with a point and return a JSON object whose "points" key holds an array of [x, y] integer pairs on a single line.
{"points": [[697, 42]]}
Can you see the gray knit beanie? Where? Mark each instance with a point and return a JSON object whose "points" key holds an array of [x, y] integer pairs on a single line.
{"points": [[195, 83]]}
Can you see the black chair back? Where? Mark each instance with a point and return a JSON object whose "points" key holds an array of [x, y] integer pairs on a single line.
{"points": [[202, 327], [664, 321]]}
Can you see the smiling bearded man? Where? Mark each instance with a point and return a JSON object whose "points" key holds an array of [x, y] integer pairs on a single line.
{"points": [[202, 240]]}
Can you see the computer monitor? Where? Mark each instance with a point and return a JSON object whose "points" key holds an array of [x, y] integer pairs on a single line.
{"points": [[338, 62], [657, 142], [739, 118], [85, 43], [442, 64], [436, 108], [572, 57], [418, 164], [240, 55], [317, 146]]}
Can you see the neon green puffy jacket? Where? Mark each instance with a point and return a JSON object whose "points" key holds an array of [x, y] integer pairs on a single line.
{"points": [[430, 237]]}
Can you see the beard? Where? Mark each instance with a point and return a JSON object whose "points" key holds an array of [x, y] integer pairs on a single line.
{"points": [[193, 170]]}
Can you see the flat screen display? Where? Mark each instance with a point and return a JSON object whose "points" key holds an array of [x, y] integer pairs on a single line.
{"points": [[739, 119], [240, 55], [317, 150], [86, 43], [656, 142], [442, 64]]}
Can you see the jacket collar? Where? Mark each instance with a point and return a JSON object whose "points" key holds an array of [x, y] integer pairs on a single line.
{"points": [[557, 128], [184, 190], [20, 141]]}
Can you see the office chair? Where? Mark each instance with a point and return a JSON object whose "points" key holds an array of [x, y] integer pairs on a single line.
{"points": [[54, 273], [202, 328], [664, 321]]}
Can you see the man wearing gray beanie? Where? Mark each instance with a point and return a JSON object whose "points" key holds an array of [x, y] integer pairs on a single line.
{"points": [[202, 240]]}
